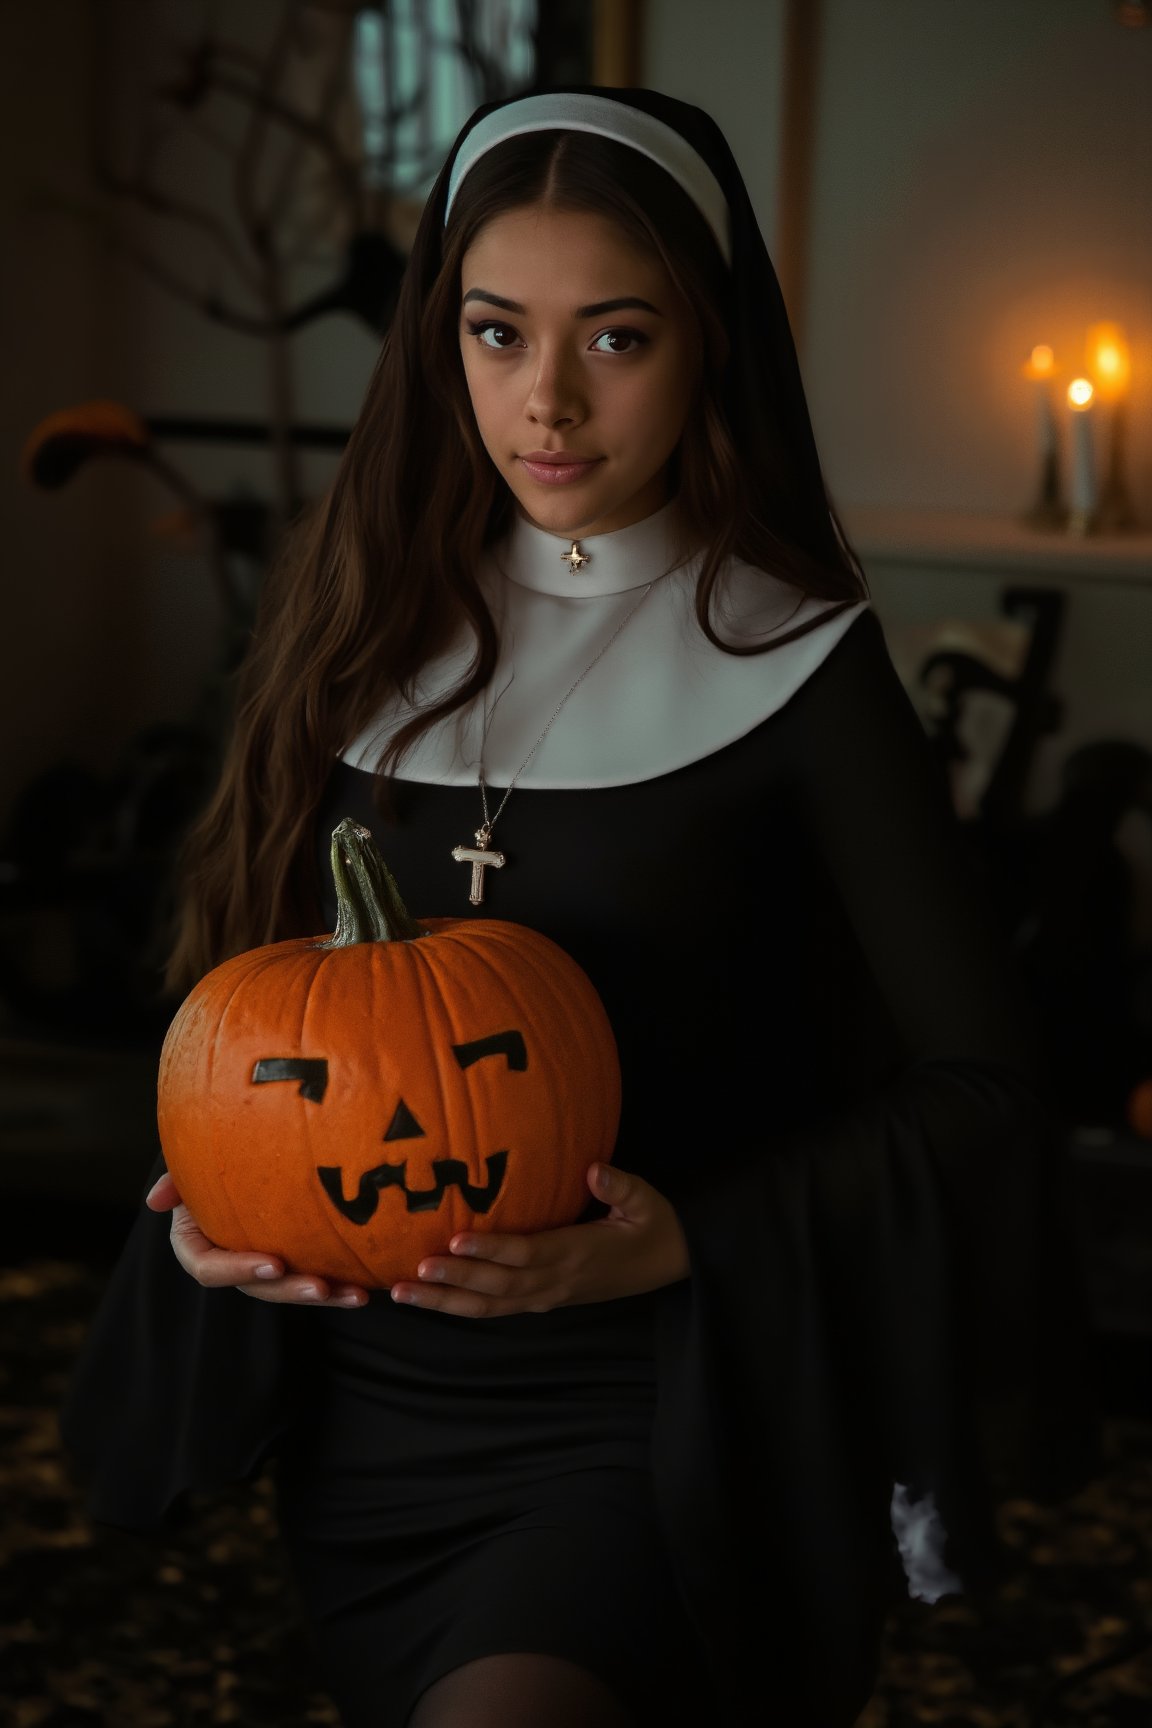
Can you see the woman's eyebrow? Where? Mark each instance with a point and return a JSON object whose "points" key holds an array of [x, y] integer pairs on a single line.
{"points": [[596, 310]]}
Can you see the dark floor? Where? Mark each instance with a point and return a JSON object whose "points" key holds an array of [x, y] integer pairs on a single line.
{"points": [[107, 1630]]}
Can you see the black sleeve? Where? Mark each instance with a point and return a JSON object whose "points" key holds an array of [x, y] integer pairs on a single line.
{"points": [[176, 1388], [877, 1311]]}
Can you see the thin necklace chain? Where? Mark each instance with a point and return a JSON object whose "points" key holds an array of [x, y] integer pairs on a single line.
{"points": [[491, 821]]}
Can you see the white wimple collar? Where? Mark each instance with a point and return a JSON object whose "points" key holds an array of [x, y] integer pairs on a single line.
{"points": [[659, 697]]}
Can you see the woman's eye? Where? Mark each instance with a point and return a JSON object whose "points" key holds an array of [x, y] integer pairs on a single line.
{"points": [[504, 337], [615, 336], [480, 331]]}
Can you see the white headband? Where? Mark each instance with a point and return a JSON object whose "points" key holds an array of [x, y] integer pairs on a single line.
{"points": [[568, 112]]}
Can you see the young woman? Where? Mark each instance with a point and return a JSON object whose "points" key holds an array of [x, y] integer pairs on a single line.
{"points": [[577, 634]]}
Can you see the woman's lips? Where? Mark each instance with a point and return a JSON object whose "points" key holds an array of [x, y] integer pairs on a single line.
{"points": [[559, 473]]}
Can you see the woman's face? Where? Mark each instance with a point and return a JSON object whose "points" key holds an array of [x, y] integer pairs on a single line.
{"points": [[576, 342]]}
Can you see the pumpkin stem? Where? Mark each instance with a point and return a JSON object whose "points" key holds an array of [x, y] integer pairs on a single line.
{"points": [[368, 903]]}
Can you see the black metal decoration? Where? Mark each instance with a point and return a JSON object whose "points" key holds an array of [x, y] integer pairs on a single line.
{"points": [[953, 674]]}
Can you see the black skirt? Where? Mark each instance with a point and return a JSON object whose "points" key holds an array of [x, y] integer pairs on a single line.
{"points": [[466, 1487]]}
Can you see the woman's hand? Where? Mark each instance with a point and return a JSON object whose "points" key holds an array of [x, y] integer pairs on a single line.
{"points": [[640, 1246], [261, 1275]]}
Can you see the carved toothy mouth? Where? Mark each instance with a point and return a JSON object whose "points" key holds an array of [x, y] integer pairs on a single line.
{"points": [[448, 1173]]}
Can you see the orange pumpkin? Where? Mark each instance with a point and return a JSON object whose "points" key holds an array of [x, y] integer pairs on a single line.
{"points": [[350, 1102]]}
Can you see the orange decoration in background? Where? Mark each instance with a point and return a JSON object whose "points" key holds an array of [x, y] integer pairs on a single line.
{"points": [[63, 441], [1140, 1109]]}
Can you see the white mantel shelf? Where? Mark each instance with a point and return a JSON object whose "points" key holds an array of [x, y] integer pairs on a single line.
{"points": [[958, 541]]}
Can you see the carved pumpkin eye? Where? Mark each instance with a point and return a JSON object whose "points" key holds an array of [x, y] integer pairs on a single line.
{"points": [[311, 1071], [509, 1044]]}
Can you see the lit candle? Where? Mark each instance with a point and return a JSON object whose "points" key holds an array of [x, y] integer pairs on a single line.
{"points": [[1106, 355], [1048, 509], [1040, 366], [1082, 500]]}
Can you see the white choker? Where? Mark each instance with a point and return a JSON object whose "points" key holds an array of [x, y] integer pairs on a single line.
{"points": [[627, 558]]}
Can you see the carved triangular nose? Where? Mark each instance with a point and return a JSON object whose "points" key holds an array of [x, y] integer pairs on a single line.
{"points": [[403, 1125]]}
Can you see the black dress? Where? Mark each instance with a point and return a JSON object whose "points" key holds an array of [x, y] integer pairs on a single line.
{"points": [[830, 1070]]}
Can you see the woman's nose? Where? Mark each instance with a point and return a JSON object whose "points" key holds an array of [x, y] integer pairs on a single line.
{"points": [[555, 397]]}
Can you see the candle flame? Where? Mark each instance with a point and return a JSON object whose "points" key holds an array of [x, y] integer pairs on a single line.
{"points": [[1106, 352], [1041, 363], [1080, 393]]}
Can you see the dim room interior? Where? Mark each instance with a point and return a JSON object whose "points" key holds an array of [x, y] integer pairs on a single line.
{"points": [[956, 199]]}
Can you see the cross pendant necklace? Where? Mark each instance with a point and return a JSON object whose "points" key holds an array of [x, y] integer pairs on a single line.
{"points": [[483, 855]]}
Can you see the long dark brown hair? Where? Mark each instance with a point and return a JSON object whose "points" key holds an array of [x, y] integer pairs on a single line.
{"points": [[381, 575]]}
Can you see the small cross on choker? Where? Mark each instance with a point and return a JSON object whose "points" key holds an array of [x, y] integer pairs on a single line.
{"points": [[575, 558]]}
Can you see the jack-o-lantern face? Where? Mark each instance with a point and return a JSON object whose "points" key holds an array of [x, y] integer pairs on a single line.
{"points": [[288, 1068], [312, 1075]]}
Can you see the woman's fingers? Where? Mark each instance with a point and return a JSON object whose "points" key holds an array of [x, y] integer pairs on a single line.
{"points": [[223, 1268], [639, 1247], [162, 1195], [211, 1266], [309, 1289]]}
